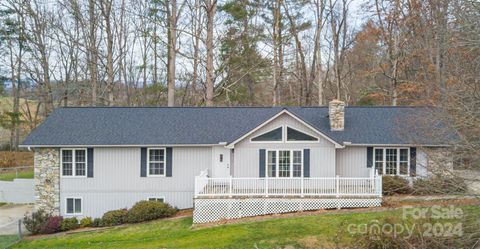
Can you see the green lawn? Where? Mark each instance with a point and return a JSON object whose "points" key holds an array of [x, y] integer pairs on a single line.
{"points": [[7, 240], [297, 232], [11, 175]]}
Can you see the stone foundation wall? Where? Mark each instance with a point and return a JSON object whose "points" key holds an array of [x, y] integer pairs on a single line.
{"points": [[439, 160], [47, 180]]}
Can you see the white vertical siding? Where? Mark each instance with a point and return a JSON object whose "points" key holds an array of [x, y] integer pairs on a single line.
{"points": [[117, 182], [322, 153], [352, 162]]}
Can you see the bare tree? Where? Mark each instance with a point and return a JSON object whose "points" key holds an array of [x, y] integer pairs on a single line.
{"points": [[106, 11], [390, 24], [171, 7], [211, 8]]}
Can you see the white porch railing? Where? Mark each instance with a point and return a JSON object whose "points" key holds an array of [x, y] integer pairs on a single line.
{"points": [[274, 187]]}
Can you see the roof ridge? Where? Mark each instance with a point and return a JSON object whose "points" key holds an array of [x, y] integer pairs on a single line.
{"points": [[231, 107]]}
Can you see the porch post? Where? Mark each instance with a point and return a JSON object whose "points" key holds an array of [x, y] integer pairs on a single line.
{"points": [[230, 186], [337, 185], [195, 188], [302, 186], [266, 186]]}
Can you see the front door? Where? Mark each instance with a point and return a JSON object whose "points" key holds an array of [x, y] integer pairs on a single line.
{"points": [[221, 162]]}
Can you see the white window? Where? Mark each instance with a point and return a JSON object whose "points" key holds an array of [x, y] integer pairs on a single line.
{"points": [[392, 161], [284, 163], [74, 162], [156, 162], [159, 199], [73, 205]]}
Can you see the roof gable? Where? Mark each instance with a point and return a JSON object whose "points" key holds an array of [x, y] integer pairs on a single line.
{"points": [[282, 113]]}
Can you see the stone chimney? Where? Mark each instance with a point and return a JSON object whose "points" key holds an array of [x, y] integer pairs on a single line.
{"points": [[336, 112]]}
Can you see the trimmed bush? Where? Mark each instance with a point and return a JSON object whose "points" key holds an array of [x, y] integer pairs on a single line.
{"points": [[52, 225], [439, 185], [115, 217], [70, 224], [393, 185], [35, 221], [149, 210], [97, 222], [86, 222]]}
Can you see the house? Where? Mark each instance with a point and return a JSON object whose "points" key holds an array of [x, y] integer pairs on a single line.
{"points": [[229, 162]]}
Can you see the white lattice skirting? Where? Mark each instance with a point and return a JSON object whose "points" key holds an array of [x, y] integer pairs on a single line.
{"points": [[209, 210]]}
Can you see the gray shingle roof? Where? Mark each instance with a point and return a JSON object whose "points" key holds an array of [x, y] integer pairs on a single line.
{"points": [[190, 125]]}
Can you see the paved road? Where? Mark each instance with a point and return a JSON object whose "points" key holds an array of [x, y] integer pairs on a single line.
{"points": [[9, 216]]}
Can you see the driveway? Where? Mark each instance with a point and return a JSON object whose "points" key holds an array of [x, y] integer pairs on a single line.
{"points": [[9, 216], [472, 179]]}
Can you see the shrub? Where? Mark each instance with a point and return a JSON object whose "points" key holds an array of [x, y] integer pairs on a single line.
{"points": [[393, 185], [86, 222], [149, 210], [439, 185], [97, 222], [115, 217], [35, 221], [52, 225], [70, 224]]}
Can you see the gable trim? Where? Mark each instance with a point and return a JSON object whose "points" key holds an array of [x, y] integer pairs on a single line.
{"points": [[284, 111]]}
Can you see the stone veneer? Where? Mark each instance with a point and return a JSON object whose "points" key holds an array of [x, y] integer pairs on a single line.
{"points": [[47, 180], [336, 112], [439, 160]]}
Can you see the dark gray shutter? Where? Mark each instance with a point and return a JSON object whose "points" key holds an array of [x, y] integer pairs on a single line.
{"points": [[261, 163], [168, 172], [369, 157], [143, 162], [413, 161], [306, 162], [89, 162]]}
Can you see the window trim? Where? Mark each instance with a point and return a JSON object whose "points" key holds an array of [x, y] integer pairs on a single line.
{"points": [[263, 142], [66, 205], [164, 162], [299, 141], [384, 160], [156, 197], [277, 158], [74, 163]]}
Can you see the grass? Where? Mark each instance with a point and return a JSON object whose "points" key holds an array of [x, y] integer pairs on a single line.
{"points": [[7, 240], [327, 230], [11, 175]]}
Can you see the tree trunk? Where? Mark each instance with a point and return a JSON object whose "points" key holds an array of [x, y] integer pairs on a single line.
{"points": [[106, 9], [92, 53], [211, 7], [276, 35], [172, 40]]}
